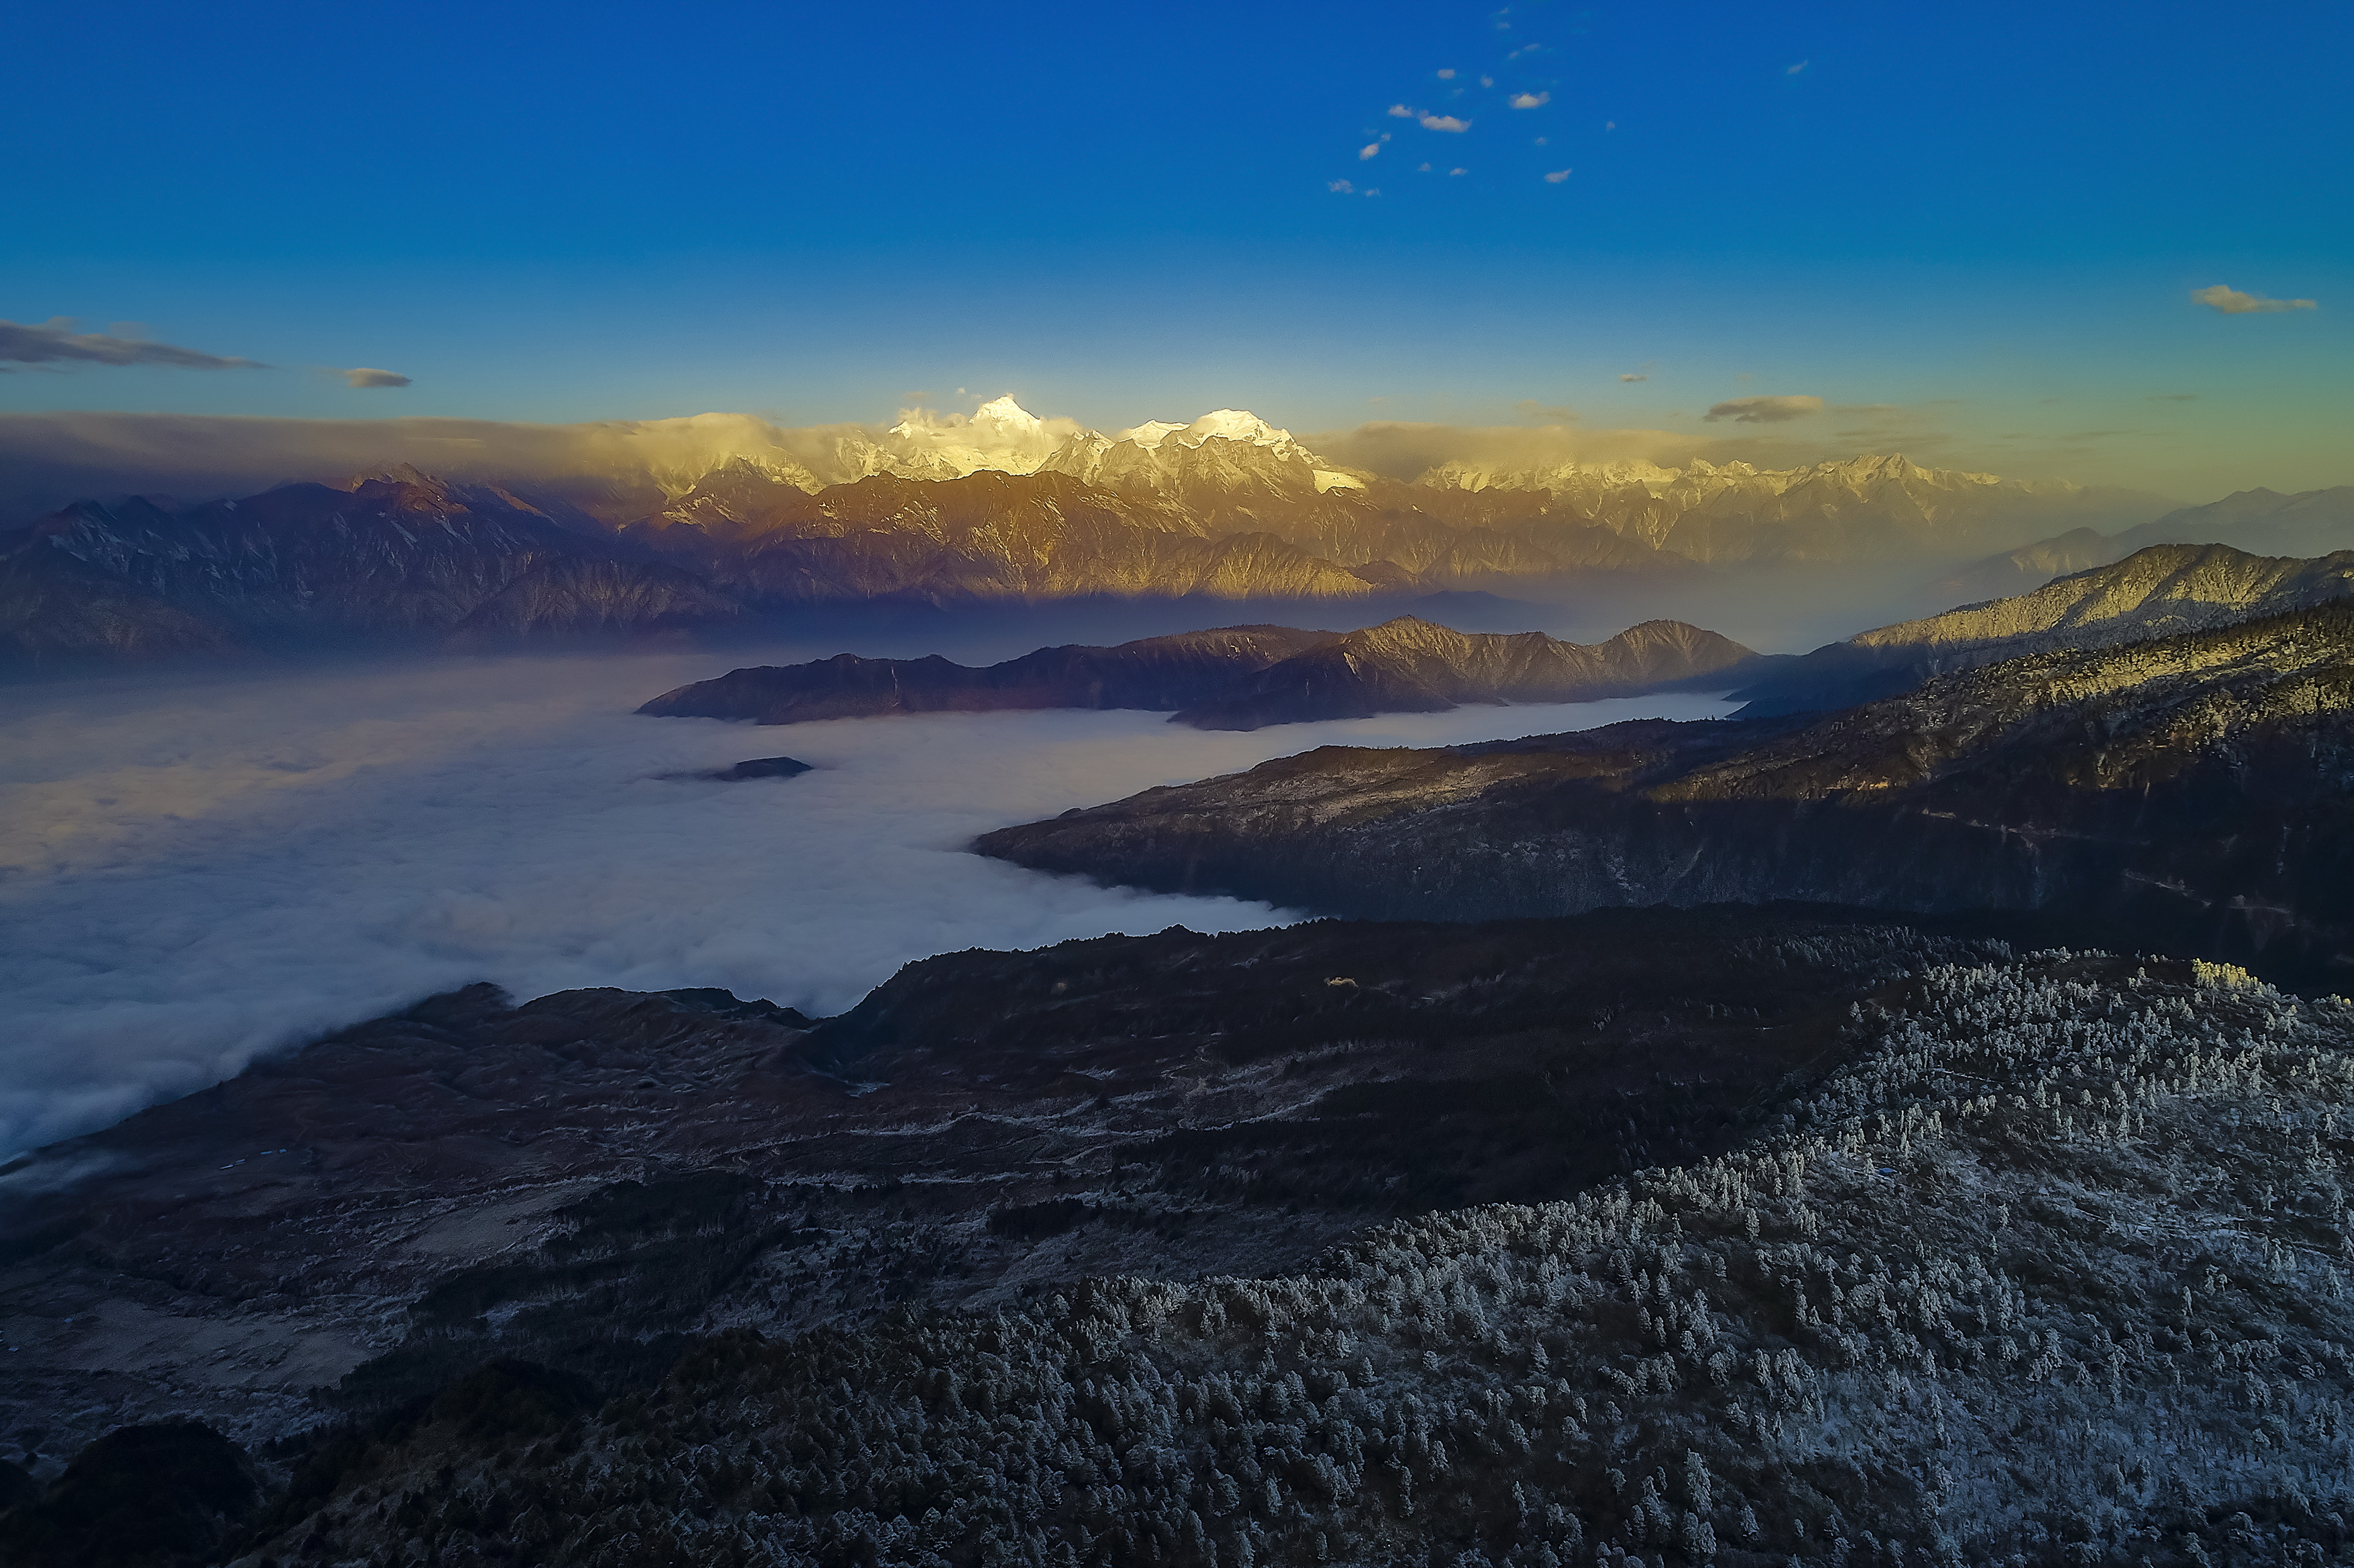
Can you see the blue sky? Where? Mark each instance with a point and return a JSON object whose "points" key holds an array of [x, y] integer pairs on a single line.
{"points": [[1973, 230]]}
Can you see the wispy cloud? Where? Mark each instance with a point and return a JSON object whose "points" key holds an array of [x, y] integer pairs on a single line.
{"points": [[1400, 112], [1793, 70], [363, 377], [1531, 100], [55, 342], [2230, 302], [1632, 376], [1340, 187], [1447, 75], [1370, 149], [1444, 122], [1769, 409], [1555, 177]]}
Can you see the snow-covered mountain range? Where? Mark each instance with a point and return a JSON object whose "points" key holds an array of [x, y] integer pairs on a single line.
{"points": [[719, 517]]}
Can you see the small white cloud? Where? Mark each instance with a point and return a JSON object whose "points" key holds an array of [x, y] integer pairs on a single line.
{"points": [[1541, 142], [1487, 82], [1368, 150], [1610, 126], [2230, 302], [1770, 409], [1458, 171], [1447, 75], [1531, 100], [1423, 169], [1376, 191], [363, 377], [1631, 376], [1400, 112], [1444, 122], [1555, 177], [1793, 70], [1340, 187]]}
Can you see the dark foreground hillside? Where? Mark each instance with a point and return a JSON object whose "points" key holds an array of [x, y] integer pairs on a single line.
{"points": [[2044, 1261]]}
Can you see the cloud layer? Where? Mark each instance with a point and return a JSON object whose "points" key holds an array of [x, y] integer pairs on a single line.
{"points": [[1772, 408], [54, 342], [2230, 302], [196, 872], [363, 377]]}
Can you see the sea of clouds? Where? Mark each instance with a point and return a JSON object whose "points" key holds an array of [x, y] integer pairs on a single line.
{"points": [[199, 870]]}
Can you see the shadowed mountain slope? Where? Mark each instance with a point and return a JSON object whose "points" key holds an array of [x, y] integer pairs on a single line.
{"points": [[2191, 789], [2162, 590], [402, 557], [1237, 677]]}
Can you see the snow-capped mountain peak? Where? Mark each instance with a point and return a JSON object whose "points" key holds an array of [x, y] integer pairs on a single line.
{"points": [[1150, 433]]}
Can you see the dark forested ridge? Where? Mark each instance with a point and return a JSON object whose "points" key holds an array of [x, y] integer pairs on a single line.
{"points": [[1235, 677], [2045, 1261], [2190, 792], [577, 1176]]}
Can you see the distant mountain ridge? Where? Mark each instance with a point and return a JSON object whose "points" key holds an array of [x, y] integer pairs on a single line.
{"points": [[399, 557], [2158, 590], [1236, 677], [2190, 789], [2260, 521]]}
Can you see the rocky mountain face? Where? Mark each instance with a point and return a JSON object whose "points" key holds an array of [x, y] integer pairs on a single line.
{"points": [[2188, 790], [402, 557], [2260, 521], [1236, 677], [2161, 590], [1977, 1258]]}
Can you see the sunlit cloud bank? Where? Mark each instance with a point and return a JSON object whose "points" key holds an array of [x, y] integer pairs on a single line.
{"points": [[196, 872]]}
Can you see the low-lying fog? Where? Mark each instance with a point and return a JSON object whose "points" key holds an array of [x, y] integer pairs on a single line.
{"points": [[199, 869]]}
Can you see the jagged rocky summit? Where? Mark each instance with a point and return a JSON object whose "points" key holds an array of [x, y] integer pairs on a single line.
{"points": [[1235, 677], [2190, 790]]}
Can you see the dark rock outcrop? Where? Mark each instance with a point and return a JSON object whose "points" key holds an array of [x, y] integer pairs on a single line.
{"points": [[763, 768], [2191, 789]]}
